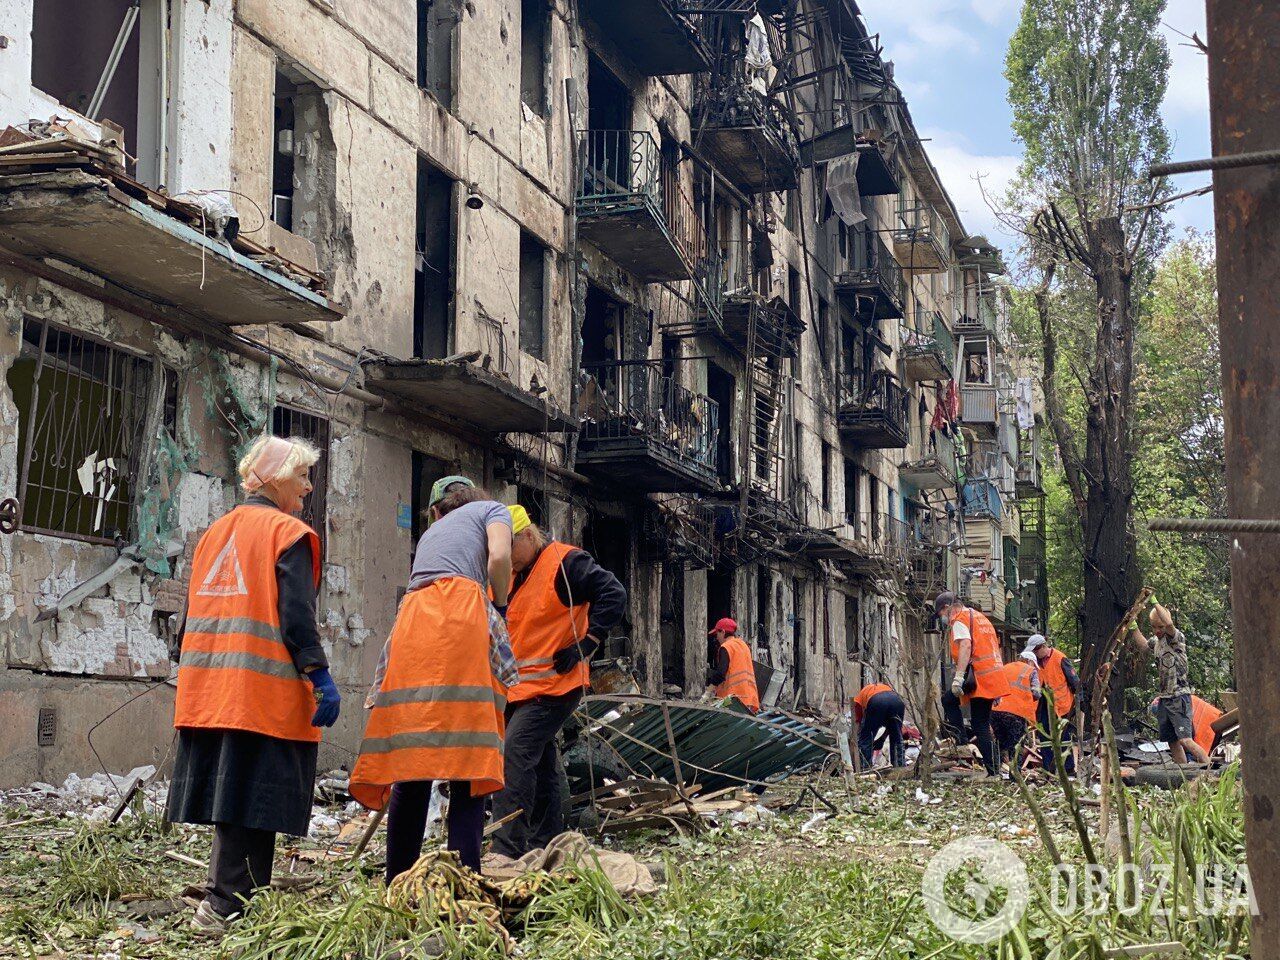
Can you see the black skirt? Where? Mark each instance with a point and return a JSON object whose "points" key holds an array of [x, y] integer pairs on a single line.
{"points": [[244, 779]]}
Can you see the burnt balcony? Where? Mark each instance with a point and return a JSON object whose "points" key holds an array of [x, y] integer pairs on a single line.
{"points": [[874, 412], [877, 172], [746, 134], [928, 349], [759, 325], [936, 469], [927, 549], [657, 35], [680, 530], [872, 287], [644, 432], [921, 240], [633, 209]]}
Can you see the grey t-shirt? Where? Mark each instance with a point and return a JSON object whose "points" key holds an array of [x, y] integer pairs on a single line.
{"points": [[457, 545]]}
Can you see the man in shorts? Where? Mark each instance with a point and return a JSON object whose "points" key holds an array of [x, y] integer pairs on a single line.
{"points": [[1173, 705]]}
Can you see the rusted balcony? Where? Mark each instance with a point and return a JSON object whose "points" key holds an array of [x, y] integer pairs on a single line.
{"points": [[681, 530], [935, 470], [873, 412], [644, 432], [877, 173], [657, 35], [872, 287], [633, 209], [928, 348], [765, 326], [921, 241], [745, 134]]}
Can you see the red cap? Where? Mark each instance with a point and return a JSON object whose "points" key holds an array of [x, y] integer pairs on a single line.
{"points": [[727, 624]]}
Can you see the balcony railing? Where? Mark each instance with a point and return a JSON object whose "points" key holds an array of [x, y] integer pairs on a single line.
{"points": [[747, 135], [644, 429], [978, 403], [928, 348], [979, 313], [935, 468], [921, 240], [874, 412], [633, 209], [873, 287]]}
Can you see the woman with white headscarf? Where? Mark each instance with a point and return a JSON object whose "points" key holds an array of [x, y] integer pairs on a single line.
{"points": [[253, 681]]}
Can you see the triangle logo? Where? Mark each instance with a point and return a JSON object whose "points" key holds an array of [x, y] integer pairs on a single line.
{"points": [[225, 578]]}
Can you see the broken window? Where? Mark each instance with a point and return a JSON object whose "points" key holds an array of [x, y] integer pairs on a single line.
{"points": [[282, 153], [533, 267], [82, 412], [826, 476], [436, 22], [103, 59], [425, 470], [851, 471], [433, 265], [533, 55], [291, 422], [852, 635]]}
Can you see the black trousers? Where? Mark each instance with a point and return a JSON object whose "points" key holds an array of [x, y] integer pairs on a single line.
{"points": [[1010, 730], [407, 824], [980, 720], [1047, 760], [533, 774], [886, 709], [240, 862]]}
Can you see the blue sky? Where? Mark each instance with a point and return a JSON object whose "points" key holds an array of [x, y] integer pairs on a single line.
{"points": [[949, 58]]}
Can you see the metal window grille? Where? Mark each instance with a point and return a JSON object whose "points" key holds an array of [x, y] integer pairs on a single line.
{"points": [[82, 410], [291, 422]]}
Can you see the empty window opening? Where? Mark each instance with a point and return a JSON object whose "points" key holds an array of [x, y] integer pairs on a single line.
{"points": [[823, 331], [103, 59], [437, 21], [434, 265], [284, 143], [799, 649], [291, 422], [533, 305], [826, 476], [852, 635], [608, 100], [721, 389], [425, 470], [603, 324], [82, 411], [719, 595], [672, 627], [608, 538], [851, 479], [533, 55], [763, 592]]}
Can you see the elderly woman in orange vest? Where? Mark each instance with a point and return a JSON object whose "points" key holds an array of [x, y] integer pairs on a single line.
{"points": [[734, 673], [563, 604], [1014, 715], [438, 709], [974, 643], [1059, 677], [253, 681]]}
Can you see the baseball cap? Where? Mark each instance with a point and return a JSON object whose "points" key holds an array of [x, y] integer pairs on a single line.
{"points": [[727, 624], [441, 487]]}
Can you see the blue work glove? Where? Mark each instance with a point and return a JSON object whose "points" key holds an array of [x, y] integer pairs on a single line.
{"points": [[328, 699]]}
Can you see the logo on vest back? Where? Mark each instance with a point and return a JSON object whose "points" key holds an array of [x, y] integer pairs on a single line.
{"points": [[225, 578]]}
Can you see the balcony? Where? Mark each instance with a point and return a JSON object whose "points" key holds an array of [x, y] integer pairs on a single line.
{"points": [[656, 35], [746, 135], [921, 241], [1027, 476], [981, 499], [936, 470], [763, 327], [985, 593], [873, 413], [877, 172], [980, 311], [928, 349], [645, 433], [680, 530], [636, 213], [978, 404], [873, 287]]}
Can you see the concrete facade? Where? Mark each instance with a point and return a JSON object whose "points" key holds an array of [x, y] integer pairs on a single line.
{"points": [[366, 128]]}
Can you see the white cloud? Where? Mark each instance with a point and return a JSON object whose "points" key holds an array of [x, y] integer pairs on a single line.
{"points": [[967, 175], [912, 31], [995, 12]]}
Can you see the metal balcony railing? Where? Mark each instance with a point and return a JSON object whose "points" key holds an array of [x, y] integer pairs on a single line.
{"points": [[979, 313], [920, 223], [623, 170], [875, 398], [874, 265], [643, 401], [929, 334]]}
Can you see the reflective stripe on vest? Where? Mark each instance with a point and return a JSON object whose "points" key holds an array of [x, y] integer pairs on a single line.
{"points": [[438, 712], [984, 654], [541, 626], [235, 672], [1053, 677], [740, 678], [1020, 700]]}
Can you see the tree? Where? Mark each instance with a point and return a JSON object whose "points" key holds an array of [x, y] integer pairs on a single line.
{"points": [[1086, 80]]}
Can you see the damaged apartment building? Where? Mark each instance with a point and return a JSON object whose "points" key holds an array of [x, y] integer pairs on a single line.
{"points": [[678, 276]]}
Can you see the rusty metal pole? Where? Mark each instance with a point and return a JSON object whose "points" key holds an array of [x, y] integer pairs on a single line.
{"points": [[1244, 97]]}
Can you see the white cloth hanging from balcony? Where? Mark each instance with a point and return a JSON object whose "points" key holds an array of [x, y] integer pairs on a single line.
{"points": [[842, 188], [1023, 406]]}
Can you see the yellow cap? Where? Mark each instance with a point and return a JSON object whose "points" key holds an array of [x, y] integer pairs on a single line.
{"points": [[519, 518]]}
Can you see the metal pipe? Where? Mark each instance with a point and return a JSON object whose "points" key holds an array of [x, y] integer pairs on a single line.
{"points": [[1233, 161], [1244, 109], [1212, 525], [113, 60]]}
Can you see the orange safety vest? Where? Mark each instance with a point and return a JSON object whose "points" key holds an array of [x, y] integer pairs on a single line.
{"points": [[984, 654], [1203, 714], [541, 626], [235, 672], [1021, 699], [1051, 676], [438, 713], [864, 697], [740, 681]]}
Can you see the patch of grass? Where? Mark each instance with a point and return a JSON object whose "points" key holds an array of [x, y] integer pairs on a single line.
{"points": [[98, 864]]}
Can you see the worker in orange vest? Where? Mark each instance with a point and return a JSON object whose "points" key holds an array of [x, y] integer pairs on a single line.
{"points": [[1014, 715], [563, 604], [437, 710], [875, 707], [1203, 715], [974, 644], [1058, 676], [734, 673], [253, 686]]}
